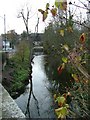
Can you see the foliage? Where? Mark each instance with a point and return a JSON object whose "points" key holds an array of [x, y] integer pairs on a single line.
{"points": [[66, 47], [20, 65], [22, 54], [62, 111], [24, 35], [3, 57], [12, 37], [44, 13], [61, 4]]}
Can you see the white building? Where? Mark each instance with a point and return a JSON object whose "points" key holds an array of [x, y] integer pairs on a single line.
{"points": [[6, 44]]}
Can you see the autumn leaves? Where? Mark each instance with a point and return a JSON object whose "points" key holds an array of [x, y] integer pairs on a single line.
{"points": [[72, 53], [62, 4], [82, 38], [61, 100], [54, 11], [45, 12], [74, 56], [59, 4]]}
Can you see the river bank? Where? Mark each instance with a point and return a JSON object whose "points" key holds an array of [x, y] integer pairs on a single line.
{"points": [[9, 82], [16, 72]]}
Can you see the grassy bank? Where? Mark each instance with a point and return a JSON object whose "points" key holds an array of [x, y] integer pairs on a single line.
{"points": [[16, 72]]}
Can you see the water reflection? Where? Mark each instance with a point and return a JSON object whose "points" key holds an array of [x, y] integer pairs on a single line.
{"points": [[40, 83]]}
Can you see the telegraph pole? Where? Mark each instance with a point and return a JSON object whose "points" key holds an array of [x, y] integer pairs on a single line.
{"points": [[5, 30]]}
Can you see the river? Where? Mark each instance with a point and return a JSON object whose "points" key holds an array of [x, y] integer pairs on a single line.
{"points": [[45, 106]]}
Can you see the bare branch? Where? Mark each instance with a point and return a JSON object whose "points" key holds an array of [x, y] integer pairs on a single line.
{"points": [[25, 19], [79, 6]]}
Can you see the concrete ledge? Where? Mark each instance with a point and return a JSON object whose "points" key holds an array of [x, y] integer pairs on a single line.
{"points": [[8, 106]]}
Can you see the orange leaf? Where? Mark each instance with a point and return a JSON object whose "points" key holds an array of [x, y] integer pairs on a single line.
{"points": [[60, 68], [54, 11], [65, 95], [75, 77], [82, 38]]}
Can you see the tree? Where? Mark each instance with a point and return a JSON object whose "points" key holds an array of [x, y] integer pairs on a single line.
{"points": [[64, 41], [25, 19], [12, 37], [22, 49], [24, 35]]}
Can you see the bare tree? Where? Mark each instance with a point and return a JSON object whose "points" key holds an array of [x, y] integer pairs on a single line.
{"points": [[25, 18]]}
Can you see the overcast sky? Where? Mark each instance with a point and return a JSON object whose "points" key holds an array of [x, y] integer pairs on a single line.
{"points": [[11, 8]]}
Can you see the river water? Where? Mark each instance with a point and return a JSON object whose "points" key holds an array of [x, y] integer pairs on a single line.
{"points": [[41, 84]]}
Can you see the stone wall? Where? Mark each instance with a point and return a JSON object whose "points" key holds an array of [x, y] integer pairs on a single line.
{"points": [[8, 107]]}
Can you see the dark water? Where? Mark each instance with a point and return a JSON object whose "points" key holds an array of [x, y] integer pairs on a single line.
{"points": [[40, 89]]}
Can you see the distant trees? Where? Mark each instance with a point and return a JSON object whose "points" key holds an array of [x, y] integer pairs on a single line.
{"points": [[22, 51], [12, 36], [23, 35]]}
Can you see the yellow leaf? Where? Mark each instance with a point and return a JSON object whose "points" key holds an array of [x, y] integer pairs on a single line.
{"points": [[57, 4], [57, 110], [75, 77], [64, 59], [61, 32], [66, 105], [55, 96], [62, 4], [66, 47], [42, 11], [63, 65], [83, 62], [45, 15], [70, 29], [54, 11], [61, 100], [78, 58], [47, 6], [81, 48], [61, 112]]}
